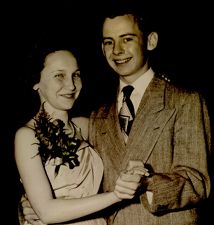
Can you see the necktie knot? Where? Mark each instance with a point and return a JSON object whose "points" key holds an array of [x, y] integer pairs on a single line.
{"points": [[127, 90]]}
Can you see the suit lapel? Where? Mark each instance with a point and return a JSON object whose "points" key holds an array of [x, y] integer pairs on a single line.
{"points": [[149, 122], [113, 127], [113, 136]]}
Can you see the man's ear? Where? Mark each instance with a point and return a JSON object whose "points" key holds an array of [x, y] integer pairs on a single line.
{"points": [[36, 87], [152, 41]]}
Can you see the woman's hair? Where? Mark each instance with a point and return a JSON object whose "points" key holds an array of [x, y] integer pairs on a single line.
{"points": [[33, 64], [35, 58]]}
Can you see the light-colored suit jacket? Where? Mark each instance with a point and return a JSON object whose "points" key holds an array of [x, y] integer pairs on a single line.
{"points": [[171, 134]]}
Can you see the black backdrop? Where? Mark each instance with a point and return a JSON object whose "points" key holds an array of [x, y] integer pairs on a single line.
{"points": [[185, 51]]}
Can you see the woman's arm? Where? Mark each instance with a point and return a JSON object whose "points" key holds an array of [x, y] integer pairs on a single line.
{"points": [[38, 189]]}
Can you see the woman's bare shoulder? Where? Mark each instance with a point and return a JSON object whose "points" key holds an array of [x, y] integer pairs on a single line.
{"points": [[25, 131], [82, 123]]}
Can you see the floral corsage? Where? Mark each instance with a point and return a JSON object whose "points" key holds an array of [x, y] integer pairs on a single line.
{"points": [[55, 143]]}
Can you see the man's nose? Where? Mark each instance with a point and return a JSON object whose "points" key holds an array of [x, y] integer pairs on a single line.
{"points": [[118, 48]]}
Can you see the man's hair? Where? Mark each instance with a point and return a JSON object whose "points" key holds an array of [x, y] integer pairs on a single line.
{"points": [[140, 10]]}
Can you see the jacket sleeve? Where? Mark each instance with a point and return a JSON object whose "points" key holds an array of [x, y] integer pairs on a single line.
{"points": [[188, 182]]}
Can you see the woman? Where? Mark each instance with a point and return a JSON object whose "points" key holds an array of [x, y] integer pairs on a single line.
{"points": [[60, 171]]}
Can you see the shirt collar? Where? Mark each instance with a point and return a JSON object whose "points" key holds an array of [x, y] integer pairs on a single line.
{"points": [[141, 83]]}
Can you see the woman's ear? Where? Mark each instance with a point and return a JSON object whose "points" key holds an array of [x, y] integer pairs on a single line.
{"points": [[152, 41], [36, 87], [103, 49]]}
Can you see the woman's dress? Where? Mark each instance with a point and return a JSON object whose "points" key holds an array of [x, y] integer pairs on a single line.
{"points": [[81, 181]]}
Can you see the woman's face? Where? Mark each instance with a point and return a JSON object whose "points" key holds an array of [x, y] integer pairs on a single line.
{"points": [[60, 81]]}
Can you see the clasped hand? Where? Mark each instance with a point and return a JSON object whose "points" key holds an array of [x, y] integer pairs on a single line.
{"points": [[130, 180]]}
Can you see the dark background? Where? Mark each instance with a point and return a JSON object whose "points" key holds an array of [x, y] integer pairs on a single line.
{"points": [[185, 51]]}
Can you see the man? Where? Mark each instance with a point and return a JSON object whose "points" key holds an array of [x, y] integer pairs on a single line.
{"points": [[170, 132], [170, 129]]}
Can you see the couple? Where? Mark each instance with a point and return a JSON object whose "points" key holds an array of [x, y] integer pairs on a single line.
{"points": [[161, 167]]}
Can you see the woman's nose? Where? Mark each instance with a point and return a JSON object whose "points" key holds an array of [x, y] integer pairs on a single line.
{"points": [[69, 84]]}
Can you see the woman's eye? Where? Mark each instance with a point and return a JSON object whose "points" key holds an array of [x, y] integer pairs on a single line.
{"points": [[76, 75], [60, 75]]}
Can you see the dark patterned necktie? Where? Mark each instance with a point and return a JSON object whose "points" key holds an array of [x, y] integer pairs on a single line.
{"points": [[126, 114]]}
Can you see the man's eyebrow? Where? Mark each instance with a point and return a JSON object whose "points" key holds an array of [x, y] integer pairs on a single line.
{"points": [[122, 35], [104, 38], [128, 34]]}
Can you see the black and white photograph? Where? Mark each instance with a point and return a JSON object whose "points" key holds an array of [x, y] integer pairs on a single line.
{"points": [[107, 113]]}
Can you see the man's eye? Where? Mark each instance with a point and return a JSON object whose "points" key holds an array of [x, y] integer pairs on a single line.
{"points": [[125, 40], [107, 42]]}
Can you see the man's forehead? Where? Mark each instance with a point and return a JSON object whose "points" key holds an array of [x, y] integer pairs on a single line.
{"points": [[120, 26]]}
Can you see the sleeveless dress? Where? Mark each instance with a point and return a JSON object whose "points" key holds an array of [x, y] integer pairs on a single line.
{"points": [[81, 181]]}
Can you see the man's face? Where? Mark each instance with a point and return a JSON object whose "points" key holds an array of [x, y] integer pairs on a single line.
{"points": [[123, 47]]}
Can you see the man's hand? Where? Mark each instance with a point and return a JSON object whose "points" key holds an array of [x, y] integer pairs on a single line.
{"points": [[30, 216]]}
